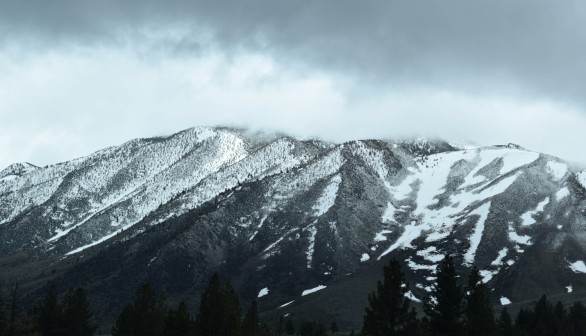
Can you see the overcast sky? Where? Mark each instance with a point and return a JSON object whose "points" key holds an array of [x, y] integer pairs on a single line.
{"points": [[77, 76]]}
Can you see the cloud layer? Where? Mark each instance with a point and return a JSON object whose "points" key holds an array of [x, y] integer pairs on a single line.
{"points": [[79, 75]]}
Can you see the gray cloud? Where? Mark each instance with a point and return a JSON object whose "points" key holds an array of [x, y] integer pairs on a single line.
{"points": [[78, 75], [529, 47]]}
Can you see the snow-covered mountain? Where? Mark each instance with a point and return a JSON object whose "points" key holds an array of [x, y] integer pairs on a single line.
{"points": [[289, 220]]}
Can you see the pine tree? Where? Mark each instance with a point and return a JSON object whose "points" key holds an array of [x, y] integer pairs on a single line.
{"points": [[251, 323], [178, 322], [444, 306], [505, 324], [561, 325], [307, 328], [577, 317], [145, 316], [388, 312], [542, 319], [76, 314], [208, 320], [289, 327], [47, 313], [230, 311], [219, 310], [2, 312], [13, 310], [334, 328], [479, 314], [523, 322]]}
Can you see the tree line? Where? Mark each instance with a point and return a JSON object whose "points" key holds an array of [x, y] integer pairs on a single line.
{"points": [[453, 309], [51, 316], [219, 314], [450, 309]]}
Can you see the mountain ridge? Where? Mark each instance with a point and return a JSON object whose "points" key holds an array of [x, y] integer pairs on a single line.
{"points": [[289, 215]]}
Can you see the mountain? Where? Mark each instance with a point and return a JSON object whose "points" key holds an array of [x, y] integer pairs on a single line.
{"points": [[303, 225]]}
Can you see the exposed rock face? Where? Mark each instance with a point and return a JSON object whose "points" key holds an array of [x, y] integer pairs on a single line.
{"points": [[283, 216]]}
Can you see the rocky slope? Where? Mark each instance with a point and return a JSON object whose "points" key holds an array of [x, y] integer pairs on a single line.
{"points": [[291, 220]]}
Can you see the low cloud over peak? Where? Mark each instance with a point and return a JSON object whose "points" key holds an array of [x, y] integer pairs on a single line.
{"points": [[489, 71]]}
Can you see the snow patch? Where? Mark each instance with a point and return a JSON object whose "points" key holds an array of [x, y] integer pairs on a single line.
{"points": [[365, 257], [310, 249], [562, 193], [486, 275], [412, 231], [286, 304], [528, 216], [328, 197], [411, 297], [403, 190], [381, 235], [557, 169], [499, 260], [578, 267], [569, 289], [505, 301], [514, 159], [428, 254], [99, 241], [312, 290], [389, 214], [482, 212], [263, 292], [414, 266], [514, 237]]}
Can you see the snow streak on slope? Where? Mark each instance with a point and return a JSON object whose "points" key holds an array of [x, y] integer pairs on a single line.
{"points": [[310, 249], [312, 290], [475, 238], [431, 183], [578, 267], [528, 216], [328, 197], [557, 169]]}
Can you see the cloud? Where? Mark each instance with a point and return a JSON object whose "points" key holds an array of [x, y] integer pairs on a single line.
{"points": [[535, 45], [76, 76]]}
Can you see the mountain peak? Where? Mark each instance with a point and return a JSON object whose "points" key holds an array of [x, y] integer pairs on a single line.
{"points": [[17, 169]]}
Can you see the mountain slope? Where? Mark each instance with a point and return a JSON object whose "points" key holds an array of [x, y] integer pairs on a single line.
{"points": [[285, 216]]}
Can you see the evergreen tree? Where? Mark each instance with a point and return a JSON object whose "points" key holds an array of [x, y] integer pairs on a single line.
{"points": [[47, 313], [577, 318], [208, 320], [523, 322], [125, 323], [76, 316], [388, 312], [307, 328], [334, 328], [178, 322], [219, 310], [13, 310], [289, 327], [2, 312], [542, 319], [251, 323], [144, 317], [444, 306], [479, 314], [230, 311], [505, 324]]}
